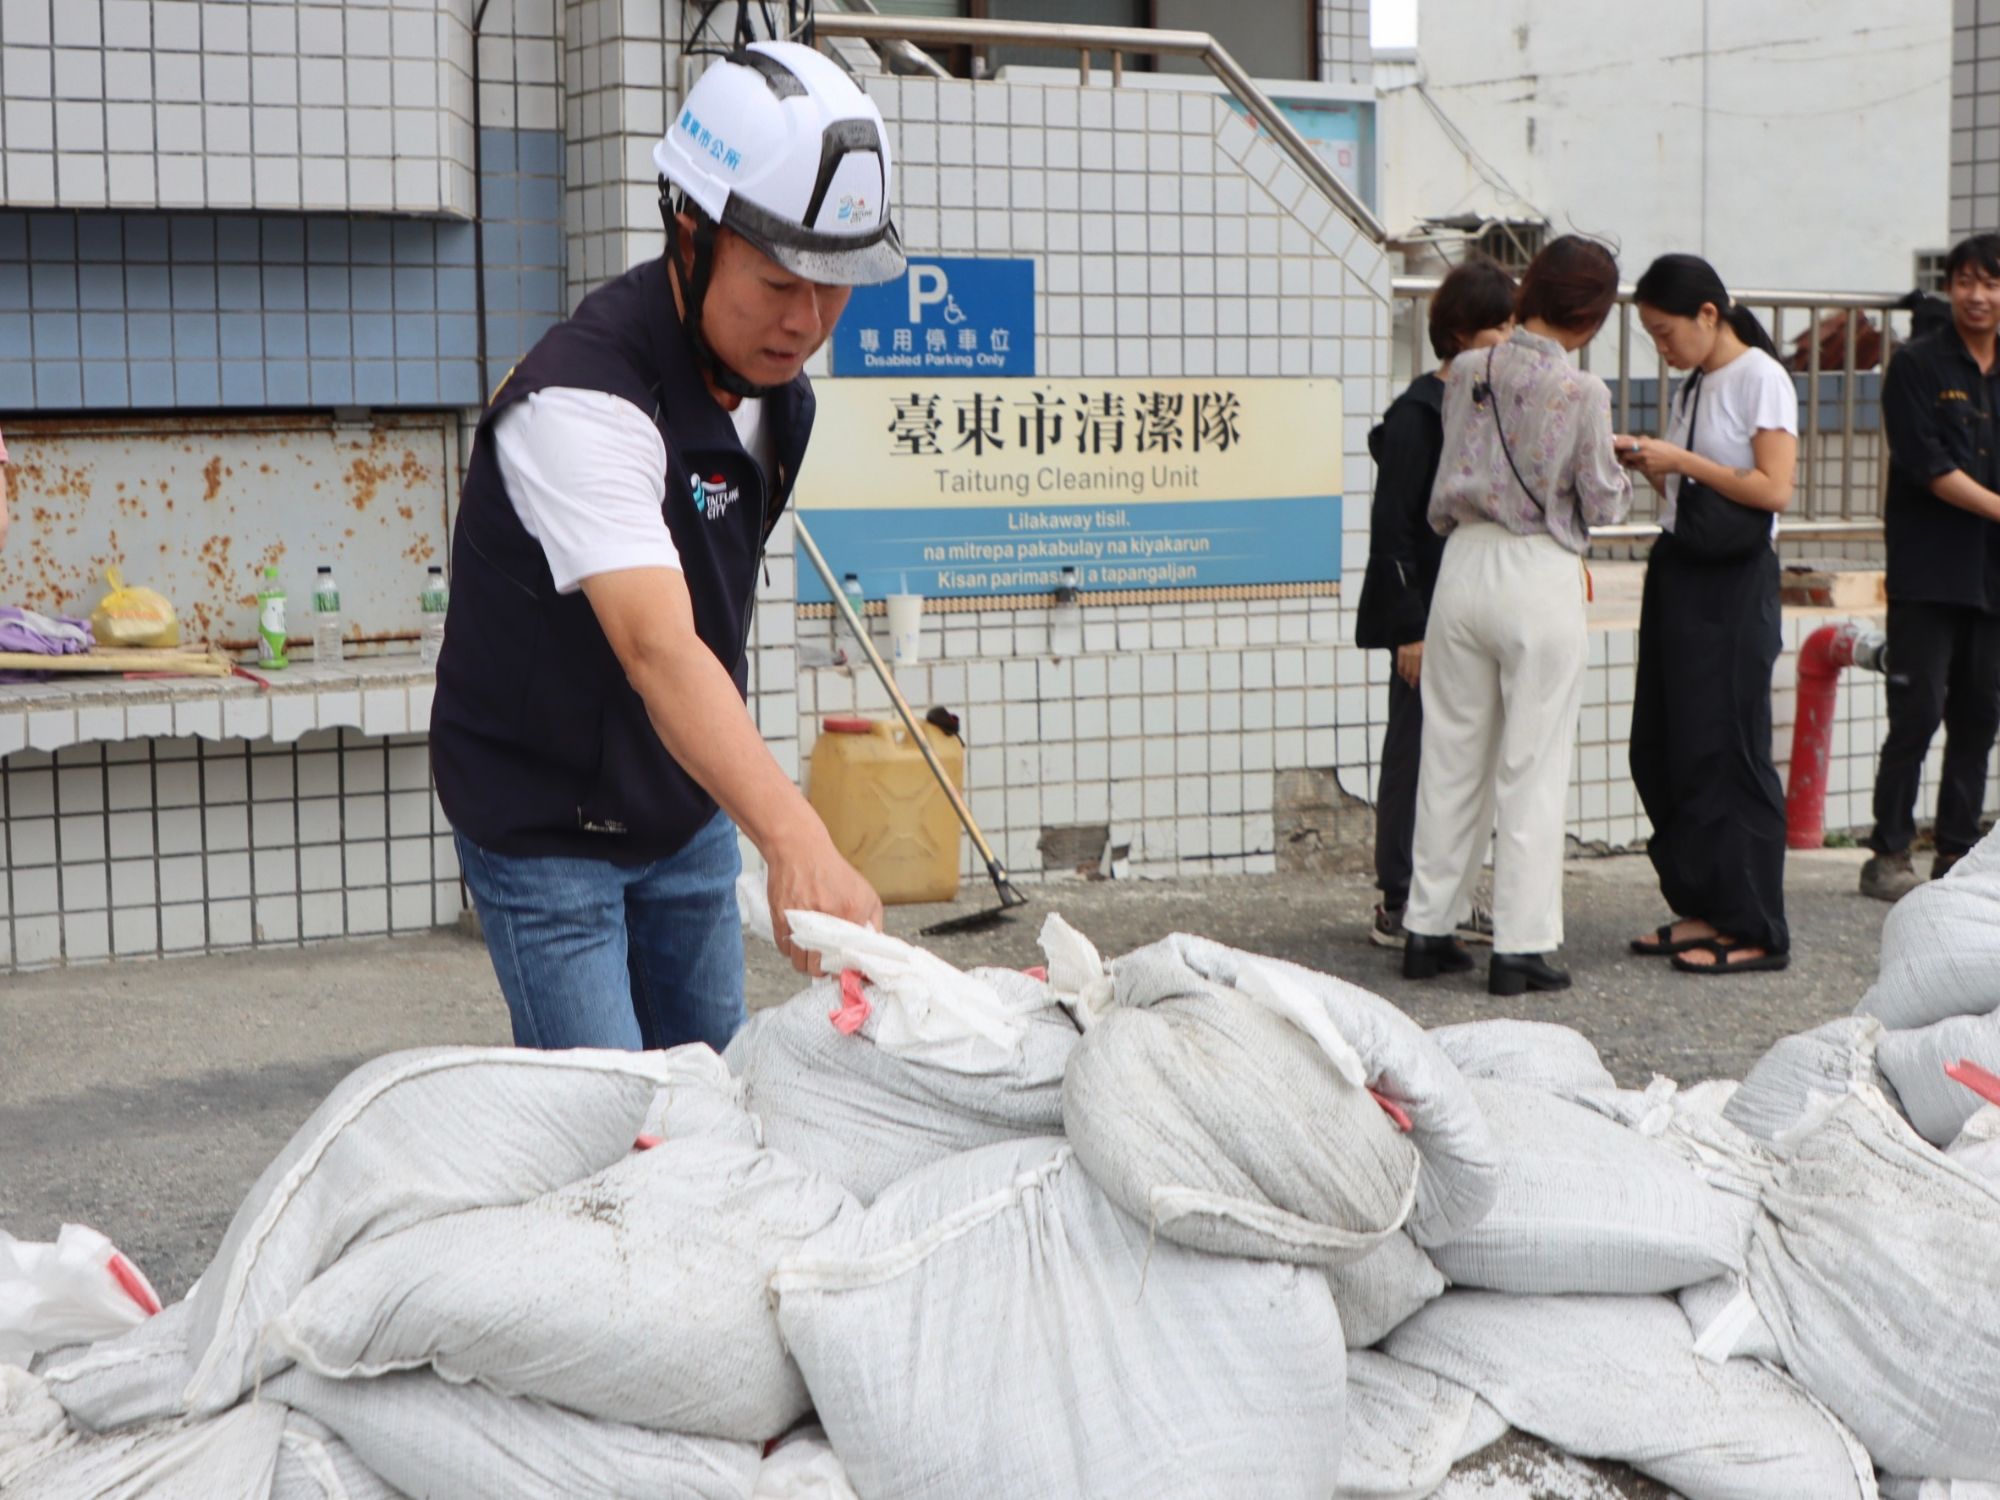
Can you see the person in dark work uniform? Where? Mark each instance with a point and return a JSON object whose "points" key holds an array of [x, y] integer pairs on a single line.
{"points": [[1709, 627], [1942, 525], [590, 718], [1472, 309]]}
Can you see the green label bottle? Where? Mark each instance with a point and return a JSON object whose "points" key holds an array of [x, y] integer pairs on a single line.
{"points": [[271, 622]]}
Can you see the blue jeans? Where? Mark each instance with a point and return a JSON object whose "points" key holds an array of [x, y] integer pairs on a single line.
{"points": [[592, 954]]}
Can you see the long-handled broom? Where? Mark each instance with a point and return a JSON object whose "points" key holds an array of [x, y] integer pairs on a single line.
{"points": [[1009, 897]]}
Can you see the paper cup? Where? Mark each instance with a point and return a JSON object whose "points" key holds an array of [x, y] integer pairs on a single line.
{"points": [[906, 628]]}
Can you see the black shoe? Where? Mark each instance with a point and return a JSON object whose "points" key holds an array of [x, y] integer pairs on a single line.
{"points": [[1427, 957], [1517, 973]]}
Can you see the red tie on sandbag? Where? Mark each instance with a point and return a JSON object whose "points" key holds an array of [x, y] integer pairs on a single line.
{"points": [[854, 1007], [1974, 1077]]}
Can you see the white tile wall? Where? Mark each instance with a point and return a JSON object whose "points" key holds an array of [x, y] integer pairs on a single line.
{"points": [[281, 105]]}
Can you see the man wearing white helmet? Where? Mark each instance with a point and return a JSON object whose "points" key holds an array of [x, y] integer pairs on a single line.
{"points": [[590, 738]]}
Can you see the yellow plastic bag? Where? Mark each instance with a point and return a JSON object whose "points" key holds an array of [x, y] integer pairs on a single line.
{"points": [[134, 617]]}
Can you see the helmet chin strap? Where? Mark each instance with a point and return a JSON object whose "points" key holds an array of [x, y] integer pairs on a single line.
{"points": [[694, 292]]}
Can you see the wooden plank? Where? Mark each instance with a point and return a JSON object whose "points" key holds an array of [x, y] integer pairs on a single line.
{"points": [[185, 663]]}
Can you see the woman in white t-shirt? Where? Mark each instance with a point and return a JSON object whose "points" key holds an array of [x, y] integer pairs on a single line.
{"points": [[1709, 627]]}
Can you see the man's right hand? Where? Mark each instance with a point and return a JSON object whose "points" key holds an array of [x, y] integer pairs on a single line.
{"points": [[1410, 662], [814, 877]]}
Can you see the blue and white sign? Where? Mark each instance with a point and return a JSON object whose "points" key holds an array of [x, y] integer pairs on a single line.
{"points": [[944, 316]]}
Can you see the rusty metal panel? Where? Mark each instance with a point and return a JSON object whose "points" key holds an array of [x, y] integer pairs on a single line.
{"points": [[196, 507]]}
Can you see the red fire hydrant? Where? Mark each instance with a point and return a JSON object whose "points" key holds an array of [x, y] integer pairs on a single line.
{"points": [[1825, 652]]}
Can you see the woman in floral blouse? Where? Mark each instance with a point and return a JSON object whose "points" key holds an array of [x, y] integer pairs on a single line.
{"points": [[1527, 470]]}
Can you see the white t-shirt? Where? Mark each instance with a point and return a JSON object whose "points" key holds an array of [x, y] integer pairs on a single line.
{"points": [[1753, 393], [587, 472]]}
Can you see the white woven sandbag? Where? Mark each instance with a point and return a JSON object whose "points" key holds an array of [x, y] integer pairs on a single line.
{"points": [[1725, 1322], [1874, 1267], [1404, 1429], [1618, 1378], [701, 1097], [399, 1140], [803, 1467], [1542, 1055], [1914, 1063], [432, 1440], [865, 1116], [1381, 1289], [1206, 1115], [995, 1326], [1825, 1060], [1460, 1163], [1690, 1124], [635, 1295], [1895, 1488], [313, 1464], [139, 1376], [1941, 947], [1586, 1205], [1977, 1148], [43, 1458]]}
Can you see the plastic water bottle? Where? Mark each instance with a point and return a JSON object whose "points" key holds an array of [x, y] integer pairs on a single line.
{"points": [[327, 645], [271, 622], [856, 599], [435, 600]]}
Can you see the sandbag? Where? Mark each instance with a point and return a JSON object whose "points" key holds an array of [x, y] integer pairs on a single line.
{"points": [[401, 1139], [432, 1440], [1461, 1164], [635, 1295], [1874, 1267], [1381, 1289], [235, 1454], [313, 1464], [1723, 1317], [139, 1376], [1825, 1060], [1690, 1125], [1586, 1205], [995, 1326], [1977, 1148], [1227, 1127], [701, 1097], [1404, 1429], [1914, 1062], [1541, 1055], [1617, 1378], [839, 1105], [803, 1467], [1941, 947], [1896, 1488]]}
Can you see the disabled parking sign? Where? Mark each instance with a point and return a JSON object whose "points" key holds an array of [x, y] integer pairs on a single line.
{"points": [[953, 316]]}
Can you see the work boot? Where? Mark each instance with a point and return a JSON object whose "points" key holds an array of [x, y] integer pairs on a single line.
{"points": [[1942, 863], [1517, 973], [1427, 957], [1889, 877]]}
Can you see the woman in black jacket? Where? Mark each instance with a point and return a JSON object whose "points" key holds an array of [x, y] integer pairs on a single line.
{"points": [[1471, 310]]}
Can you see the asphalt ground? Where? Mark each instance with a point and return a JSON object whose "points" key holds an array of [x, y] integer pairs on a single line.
{"points": [[143, 1098]]}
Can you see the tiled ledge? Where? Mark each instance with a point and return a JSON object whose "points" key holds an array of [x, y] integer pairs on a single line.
{"points": [[384, 696]]}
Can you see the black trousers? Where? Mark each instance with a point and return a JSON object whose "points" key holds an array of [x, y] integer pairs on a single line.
{"points": [[1944, 667], [1701, 741], [1396, 791]]}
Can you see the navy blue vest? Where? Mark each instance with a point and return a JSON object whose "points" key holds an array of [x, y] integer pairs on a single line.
{"points": [[538, 743]]}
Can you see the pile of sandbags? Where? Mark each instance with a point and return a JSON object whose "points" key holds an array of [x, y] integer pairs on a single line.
{"points": [[1192, 1222]]}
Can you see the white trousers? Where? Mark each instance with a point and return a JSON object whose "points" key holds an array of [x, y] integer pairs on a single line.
{"points": [[1502, 682]]}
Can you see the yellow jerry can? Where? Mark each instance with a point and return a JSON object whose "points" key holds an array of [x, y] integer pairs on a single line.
{"points": [[886, 812]]}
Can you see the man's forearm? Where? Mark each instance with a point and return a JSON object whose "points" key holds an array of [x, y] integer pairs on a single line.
{"points": [[1961, 489], [699, 717]]}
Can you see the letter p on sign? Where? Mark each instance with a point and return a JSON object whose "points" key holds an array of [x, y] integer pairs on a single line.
{"points": [[928, 287]]}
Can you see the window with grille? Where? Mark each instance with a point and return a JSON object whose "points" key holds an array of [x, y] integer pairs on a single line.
{"points": [[1930, 270], [1512, 244]]}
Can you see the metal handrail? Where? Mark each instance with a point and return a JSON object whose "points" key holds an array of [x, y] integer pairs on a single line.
{"points": [[1118, 41], [1827, 481], [912, 57]]}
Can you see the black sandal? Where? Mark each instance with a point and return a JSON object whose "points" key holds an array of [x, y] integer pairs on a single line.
{"points": [[1762, 963], [1664, 945]]}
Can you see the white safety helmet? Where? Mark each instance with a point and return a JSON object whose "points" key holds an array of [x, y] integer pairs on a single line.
{"points": [[778, 144]]}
